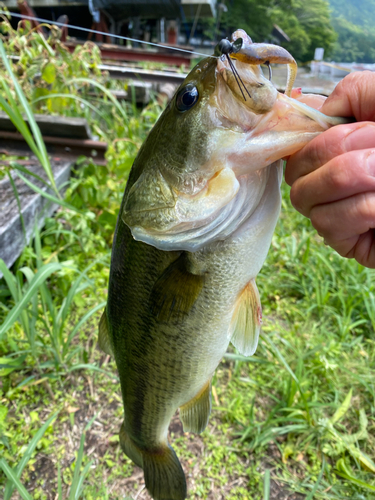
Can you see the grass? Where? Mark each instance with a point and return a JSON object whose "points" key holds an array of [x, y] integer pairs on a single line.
{"points": [[298, 417], [294, 421]]}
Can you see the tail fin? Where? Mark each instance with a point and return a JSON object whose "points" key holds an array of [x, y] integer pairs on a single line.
{"points": [[164, 477]]}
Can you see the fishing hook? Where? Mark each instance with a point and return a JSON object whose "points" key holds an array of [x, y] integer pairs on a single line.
{"points": [[225, 48]]}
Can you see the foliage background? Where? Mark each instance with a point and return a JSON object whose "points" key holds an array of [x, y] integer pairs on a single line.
{"points": [[344, 28]]}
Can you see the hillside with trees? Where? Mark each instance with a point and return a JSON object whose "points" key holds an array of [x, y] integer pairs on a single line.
{"points": [[354, 23], [344, 28], [307, 24]]}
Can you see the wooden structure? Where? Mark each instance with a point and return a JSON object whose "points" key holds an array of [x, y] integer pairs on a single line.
{"points": [[67, 138]]}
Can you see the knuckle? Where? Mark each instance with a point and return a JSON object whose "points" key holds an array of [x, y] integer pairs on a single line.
{"points": [[338, 177], [366, 208], [358, 87], [319, 221], [318, 150], [357, 79]]}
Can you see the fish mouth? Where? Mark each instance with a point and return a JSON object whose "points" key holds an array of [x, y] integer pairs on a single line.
{"points": [[247, 85], [249, 74]]}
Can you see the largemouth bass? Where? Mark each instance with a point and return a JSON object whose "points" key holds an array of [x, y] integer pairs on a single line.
{"points": [[194, 229]]}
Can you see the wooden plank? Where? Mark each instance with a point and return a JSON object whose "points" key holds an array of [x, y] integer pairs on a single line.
{"points": [[122, 72], [34, 208], [57, 126]]}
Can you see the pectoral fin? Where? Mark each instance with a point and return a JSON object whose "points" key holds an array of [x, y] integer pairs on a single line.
{"points": [[247, 320], [194, 415], [175, 292], [104, 340]]}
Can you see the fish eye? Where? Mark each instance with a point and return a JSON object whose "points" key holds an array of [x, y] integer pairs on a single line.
{"points": [[187, 97]]}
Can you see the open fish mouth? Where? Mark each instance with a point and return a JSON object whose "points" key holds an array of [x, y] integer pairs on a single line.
{"points": [[184, 199]]}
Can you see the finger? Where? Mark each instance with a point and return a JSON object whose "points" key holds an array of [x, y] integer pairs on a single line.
{"points": [[313, 100], [345, 219], [353, 96], [347, 226], [364, 249], [361, 248], [344, 176], [334, 142]]}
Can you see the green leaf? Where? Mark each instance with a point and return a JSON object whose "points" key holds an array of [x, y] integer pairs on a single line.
{"points": [[10, 279], [251, 359], [83, 320], [75, 98], [59, 482], [356, 481], [11, 483], [8, 365], [41, 147], [39, 278], [340, 412], [50, 197], [78, 478], [3, 413], [105, 91], [364, 459], [85, 366], [14, 479], [266, 485], [291, 373], [310, 496], [49, 73]]}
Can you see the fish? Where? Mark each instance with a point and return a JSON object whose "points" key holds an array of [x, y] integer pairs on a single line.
{"points": [[193, 231]]}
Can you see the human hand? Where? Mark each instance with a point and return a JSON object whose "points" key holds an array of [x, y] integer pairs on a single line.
{"points": [[333, 176]]}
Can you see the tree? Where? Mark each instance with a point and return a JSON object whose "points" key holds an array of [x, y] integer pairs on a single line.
{"points": [[308, 25], [354, 43], [254, 16]]}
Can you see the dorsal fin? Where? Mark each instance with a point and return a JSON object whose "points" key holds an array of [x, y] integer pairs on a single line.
{"points": [[247, 320], [175, 292], [104, 339]]}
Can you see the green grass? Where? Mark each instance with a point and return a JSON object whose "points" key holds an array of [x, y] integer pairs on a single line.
{"points": [[298, 416]]}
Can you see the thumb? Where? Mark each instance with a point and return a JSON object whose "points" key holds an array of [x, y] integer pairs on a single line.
{"points": [[354, 97]]}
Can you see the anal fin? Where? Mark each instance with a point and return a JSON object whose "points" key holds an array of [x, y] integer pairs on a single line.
{"points": [[104, 339], [247, 320], [194, 415], [175, 292]]}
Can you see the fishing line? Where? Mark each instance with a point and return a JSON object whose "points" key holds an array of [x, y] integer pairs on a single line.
{"points": [[238, 78], [235, 76], [72, 26]]}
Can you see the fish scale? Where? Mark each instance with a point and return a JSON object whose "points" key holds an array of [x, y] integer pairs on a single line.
{"points": [[193, 231]]}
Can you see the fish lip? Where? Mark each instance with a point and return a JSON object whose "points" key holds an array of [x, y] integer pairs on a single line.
{"points": [[223, 68]]}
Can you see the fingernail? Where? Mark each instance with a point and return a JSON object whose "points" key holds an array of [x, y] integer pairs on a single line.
{"points": [[362, 137]]}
